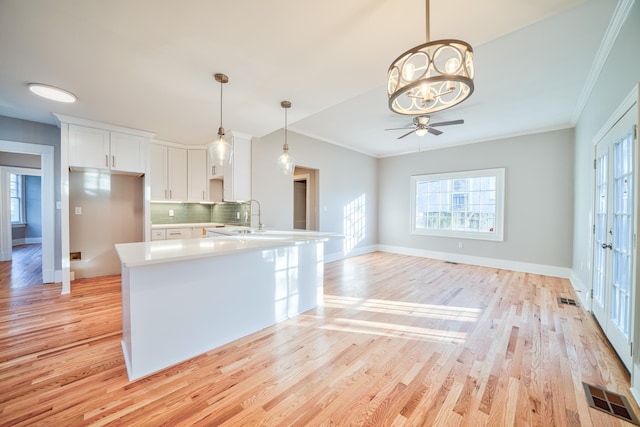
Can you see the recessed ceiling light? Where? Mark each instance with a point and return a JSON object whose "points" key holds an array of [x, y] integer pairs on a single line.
{"points": [[51, 92]]}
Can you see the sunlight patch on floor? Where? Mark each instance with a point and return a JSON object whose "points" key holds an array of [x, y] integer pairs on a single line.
{"points": [[394, 330], [444, 312]]}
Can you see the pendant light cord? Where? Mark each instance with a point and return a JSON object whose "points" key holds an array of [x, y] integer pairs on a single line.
{"points": [[221, 104], [285, 129]]}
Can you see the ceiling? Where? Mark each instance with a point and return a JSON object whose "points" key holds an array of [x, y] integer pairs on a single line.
{"points": [[149, 65]]}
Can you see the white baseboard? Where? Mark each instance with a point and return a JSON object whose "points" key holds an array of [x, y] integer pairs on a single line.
{"points": [[525, 267], [336, 256], [581, 290], [26, 241], [635, 394]]}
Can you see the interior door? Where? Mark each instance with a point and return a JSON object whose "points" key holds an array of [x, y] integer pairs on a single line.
{"points": [[300, 204], [614, 242]]}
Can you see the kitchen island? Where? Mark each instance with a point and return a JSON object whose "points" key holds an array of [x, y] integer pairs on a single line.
{"points": [[182, 298]]}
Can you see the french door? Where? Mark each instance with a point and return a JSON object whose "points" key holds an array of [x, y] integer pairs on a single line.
{"points": [[615, 231]]}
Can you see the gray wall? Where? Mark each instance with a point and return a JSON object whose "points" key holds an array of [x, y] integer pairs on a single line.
{"points": [[38, 133], [20, 160], [33, 206], [347, 198], [538, 197], [618, 77]]}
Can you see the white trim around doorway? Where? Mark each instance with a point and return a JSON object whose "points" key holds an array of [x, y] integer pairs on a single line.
{"points": [[46, 153]]}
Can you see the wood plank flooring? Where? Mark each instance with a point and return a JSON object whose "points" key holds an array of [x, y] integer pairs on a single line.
{"points": [[399, 341], [24, 269]]}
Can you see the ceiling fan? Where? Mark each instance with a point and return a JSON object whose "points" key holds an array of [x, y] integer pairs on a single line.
{"points": [[421, 126]]}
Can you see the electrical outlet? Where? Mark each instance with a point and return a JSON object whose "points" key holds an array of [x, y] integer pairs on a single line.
{"points": [[460, 244], [171, 213], [238, 215], [78, 210]]}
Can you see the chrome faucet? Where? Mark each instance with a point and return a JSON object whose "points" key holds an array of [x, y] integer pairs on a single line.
{"points": [[259, 216]]}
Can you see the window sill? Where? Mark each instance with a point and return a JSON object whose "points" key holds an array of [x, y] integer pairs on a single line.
{"points": [[18, 225]]}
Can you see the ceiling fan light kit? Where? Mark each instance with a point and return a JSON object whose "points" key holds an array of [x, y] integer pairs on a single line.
{"points": [[431, 77], [422, 125]]}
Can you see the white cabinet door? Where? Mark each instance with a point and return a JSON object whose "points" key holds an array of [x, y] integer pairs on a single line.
{"points": [[127, 153], [158, 172], [237, 175], [197, 182], [168, 171], [101, 149], [88, 147], [177, 174]]}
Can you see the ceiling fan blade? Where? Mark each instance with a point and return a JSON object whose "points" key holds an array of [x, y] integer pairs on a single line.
{"points": [[408, 133], [452, 122], [406, 127], [434, 131]]}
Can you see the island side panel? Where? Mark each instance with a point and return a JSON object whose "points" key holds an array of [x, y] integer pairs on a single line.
{"points": [[126, 318], [179, 310]]}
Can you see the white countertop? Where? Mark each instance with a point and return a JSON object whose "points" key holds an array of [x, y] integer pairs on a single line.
{"points": [[162, 251]]}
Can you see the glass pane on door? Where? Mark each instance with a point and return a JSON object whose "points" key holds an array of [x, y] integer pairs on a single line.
{"points": [[622, 233], [600, 254]]}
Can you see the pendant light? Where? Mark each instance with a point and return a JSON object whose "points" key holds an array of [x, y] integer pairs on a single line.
{"points": [[220, 150], [286, 162], [431, 77]]}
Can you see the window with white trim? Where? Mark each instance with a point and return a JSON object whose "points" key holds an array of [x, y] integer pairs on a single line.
{"points": [[467, 205], [16, 193]]}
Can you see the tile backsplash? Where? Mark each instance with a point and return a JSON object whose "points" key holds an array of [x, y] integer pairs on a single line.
{"points": [[184, 213]]}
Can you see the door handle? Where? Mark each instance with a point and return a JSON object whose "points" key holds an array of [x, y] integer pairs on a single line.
{"points": [[605, 246]]}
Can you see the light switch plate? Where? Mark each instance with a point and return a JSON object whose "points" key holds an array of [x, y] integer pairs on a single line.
{"points": [[78, 210]]}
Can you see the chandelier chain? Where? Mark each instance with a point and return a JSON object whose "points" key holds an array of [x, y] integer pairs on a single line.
{"points": [[427, 21]]}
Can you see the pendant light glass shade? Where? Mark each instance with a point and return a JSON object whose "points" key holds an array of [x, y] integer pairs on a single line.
{"points": [[286, 162], [219, 151]]}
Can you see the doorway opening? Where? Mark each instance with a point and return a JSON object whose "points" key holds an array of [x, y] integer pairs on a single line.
{"points": [[44, 160], [305, 199]]}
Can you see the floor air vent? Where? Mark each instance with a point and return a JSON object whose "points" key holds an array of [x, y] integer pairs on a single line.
{"points": [[568, 301], [611, 403], [451, 262]]}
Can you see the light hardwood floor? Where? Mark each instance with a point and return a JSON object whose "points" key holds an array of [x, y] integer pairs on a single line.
{"points": [[399, 341], [24, 269]]}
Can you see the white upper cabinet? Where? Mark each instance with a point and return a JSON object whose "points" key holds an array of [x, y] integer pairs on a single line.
{"points": [[103, 149], [237, 175], [127, 153], [197, 180], [168, 173]]}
